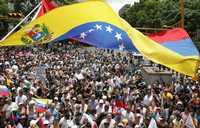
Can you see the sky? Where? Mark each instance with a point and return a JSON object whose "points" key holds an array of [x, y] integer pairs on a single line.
{"points": [[118, 4]]}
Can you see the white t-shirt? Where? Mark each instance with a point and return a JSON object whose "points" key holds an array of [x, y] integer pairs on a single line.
{"points": [[100, 109], [19, 125], [147, 99], [20, 99], [128, 115], [65, 123]]}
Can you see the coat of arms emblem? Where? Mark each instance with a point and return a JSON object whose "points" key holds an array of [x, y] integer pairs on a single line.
{"points": [[39, 33]]}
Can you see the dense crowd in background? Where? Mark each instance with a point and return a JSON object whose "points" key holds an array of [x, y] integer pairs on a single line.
{"points": [[90, 89]]}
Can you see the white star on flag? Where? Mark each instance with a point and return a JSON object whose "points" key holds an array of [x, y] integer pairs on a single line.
{"points": [[109, 29], [98, 27], [83, 35], [118, 36]]}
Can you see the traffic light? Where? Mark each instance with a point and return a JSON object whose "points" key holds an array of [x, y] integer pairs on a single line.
{"points": [[15, 15]]}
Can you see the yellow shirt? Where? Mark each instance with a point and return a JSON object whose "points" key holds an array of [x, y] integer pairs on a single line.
{"points": [[167, 96]]}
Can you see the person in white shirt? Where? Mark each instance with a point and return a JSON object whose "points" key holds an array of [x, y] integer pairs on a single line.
{"points": [[9, 107], [20, 98], [19, 125], [100, 107], [66, 122], [128, 114], [148, 98]]}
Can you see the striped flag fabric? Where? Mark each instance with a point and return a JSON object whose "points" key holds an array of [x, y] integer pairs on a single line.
{"points": [[4, 91], [41, 105], [177, 40]]}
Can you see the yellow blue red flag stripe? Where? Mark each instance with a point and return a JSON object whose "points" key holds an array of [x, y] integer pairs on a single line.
{"points": [[177, 40], [41, 105]]}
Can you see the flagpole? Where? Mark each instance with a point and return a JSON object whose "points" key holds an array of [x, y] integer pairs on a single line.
{"points": [[20, 22], [36, 14]]}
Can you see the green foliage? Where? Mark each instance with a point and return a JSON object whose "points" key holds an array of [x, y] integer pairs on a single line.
{"points": [[3, 7], [152, 13], [192, 16], [25, 6]]}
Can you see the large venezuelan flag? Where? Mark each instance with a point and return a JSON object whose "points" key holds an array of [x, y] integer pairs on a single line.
{"points": [[95, 23]]}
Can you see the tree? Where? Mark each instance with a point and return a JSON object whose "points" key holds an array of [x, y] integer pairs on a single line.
{"points": [[3, 7], [25, 6], [151, 13]]}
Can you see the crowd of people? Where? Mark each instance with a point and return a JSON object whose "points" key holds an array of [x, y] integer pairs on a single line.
{"points": [[90, 89]]}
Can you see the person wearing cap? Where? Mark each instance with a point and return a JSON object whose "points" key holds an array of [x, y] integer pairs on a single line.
{"points": [[46, 124], [100, 107], [57, 103], [139, 120], [22, 108], [31, 110]]}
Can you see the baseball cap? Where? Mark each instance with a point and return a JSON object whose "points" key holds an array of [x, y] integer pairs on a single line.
{"points": [[101, 101]]}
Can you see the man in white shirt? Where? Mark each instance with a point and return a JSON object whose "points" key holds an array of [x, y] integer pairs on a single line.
{"points": [[20, 98], [100, 107], [128, 114], [66, 122], [148, 98]]}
